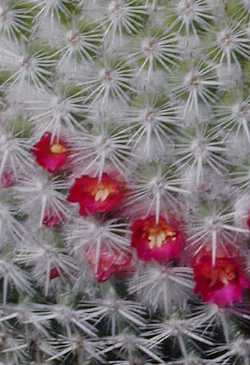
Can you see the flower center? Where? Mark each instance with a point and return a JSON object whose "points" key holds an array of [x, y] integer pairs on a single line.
{"points": [[57, 148], [224, 275], [157, 237], [101, 193]]}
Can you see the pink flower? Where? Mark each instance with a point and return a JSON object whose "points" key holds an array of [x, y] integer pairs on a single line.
{"points": [[223, 283], [160, 241], [111, 262]]}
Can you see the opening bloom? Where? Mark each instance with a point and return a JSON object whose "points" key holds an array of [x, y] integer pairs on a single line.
{"points": [[51, 153], [7, 179], [97, 196], [54, 273], [111, 262], [160, 241], [52, 219], [223, 283]]}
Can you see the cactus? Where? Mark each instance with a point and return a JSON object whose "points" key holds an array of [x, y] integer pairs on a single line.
{"points": [[124, 182]]}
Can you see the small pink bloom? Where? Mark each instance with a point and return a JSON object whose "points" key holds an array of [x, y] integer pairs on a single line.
{"points": [[160, 241], [7, 179], [52, 219], [111, 262]]}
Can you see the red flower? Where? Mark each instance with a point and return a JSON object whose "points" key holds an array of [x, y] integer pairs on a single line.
{"points": [[157, 241], [97, 196], [111, 261], [223, 283], [51, 153], [52, 219]]}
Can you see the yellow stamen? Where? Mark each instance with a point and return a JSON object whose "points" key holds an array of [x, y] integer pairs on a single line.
{"points": [[102, 194], [171, 234], [224, 276], [157, 237], [57, 148]]}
